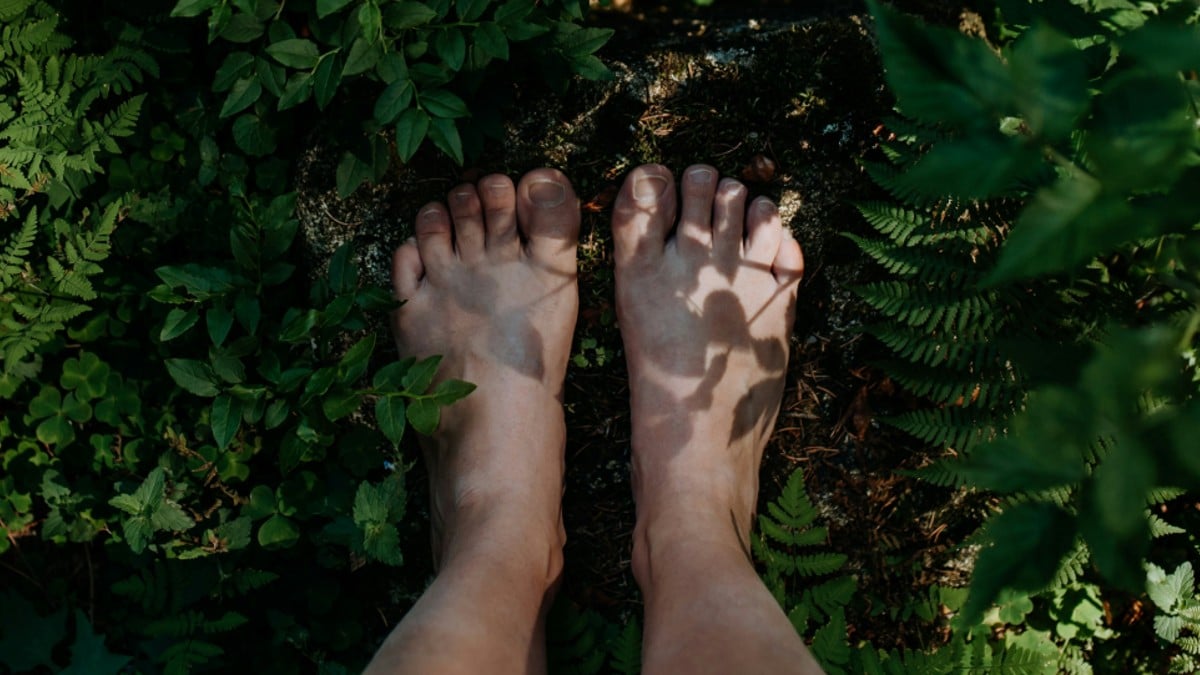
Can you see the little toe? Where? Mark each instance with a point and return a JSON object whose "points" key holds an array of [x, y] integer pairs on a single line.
{"points": [[433, 237], [499, 198], [407, 270], [695, 220], [643, 215], [548, 216], [729, 214], [467, 214], [764, 231]]}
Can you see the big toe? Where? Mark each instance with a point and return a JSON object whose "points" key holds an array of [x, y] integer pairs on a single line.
{"points": [[548, 216], [643, 214]]}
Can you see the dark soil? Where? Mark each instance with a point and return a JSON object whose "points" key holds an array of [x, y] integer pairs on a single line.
{"points": [[790, 98]]}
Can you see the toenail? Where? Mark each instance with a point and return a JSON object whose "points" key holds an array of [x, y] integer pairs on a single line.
{"points": [[649, 188], [765, 205], [701, 176], [431, 213], [496, 188], [547, 193], [462, 197]]}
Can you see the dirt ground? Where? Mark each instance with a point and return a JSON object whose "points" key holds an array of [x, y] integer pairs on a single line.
{"points": [[791, 100]]}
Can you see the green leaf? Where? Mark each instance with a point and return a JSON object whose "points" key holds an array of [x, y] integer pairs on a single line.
{"points": [[402, 15], [326, 80], [1113, 518], [410, 132], [470, 10], [226, 417], [389, 413], [585, 41], [178, 322], [235, 66], [343, 274], [352, 172], [981, 165], [382, 542], [86, 375], [442, 103], [298, 324], [424, 415], [354, 362], [276, 414], [1028, 541], [193, 376], [278, 532], [419, 376], [1051, 74], [514, 10], [27, 640], [489, 39], [190, 8], [444, 135], [363, 57], [939, 74], [298, 89], [340, 404], [449, 391], [89, 655], [295, 53], [261, 503], [1168, 592], [220, 321], [394, 100], [243, 27], [327, 7], [451, 47], [392, 67], [242, 95], [1142, 131], [254, 136], [391, 376], [370, 22]]}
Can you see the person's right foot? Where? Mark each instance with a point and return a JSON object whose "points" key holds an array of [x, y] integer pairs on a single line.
{"points": [[705, 312]]}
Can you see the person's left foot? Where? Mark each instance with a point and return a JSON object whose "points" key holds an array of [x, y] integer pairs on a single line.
{"points": [[490, 284]]}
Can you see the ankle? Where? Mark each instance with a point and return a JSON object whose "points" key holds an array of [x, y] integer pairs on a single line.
{"points": [[508, 539], [680, 541]]}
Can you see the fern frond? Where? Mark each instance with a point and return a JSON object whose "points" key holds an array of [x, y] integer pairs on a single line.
{"points": [[958, 428]]}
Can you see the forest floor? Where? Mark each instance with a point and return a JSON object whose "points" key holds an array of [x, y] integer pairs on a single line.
{"points": [[792, 102]]}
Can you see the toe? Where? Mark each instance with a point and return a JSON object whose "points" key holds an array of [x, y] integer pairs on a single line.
{"points": [[643, 214], [467, 214], [696, 213], [764, 230], [407, 270], [789, 261], [729, 214], [548, 216], [499, 198], [433, 237]]}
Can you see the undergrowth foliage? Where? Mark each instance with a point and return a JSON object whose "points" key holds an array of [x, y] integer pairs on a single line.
{"points": [[198, 464], [1042, 255]]}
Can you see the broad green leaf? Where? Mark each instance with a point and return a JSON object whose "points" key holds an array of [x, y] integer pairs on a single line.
{"points": [[352, 172], [370, 21], [382, 503], [319, 383], [193, 376], [394, 100], [410, 132], [295, 53], [343, 273], [585, 41], [235, 533], [354, 363], [449, 391], [489, 39], [27, 640], [326, 80], [938, 74], [514, 10], [444, 135], [1167, 47], [1168, 591], [391, 376], [226, 417], [298, 324], [1142, 131], [170, 517], [363, 56], [470, 10], [261, 503], [451, 47], [1027, 542], [1051, 74], [424, 415], [442, 103], [389, 413], [178, 322], [276, 414], [327, 7], [591, 68], [220, 321], [86, 375], [419, 376], [235, 67], [339, 404], [1113, 519], [242, 95], [89, 655], [981, 165], [298, 89], [402, 15], [243, 27], [190, 8], [382, 542], [392, 67], [278, 532], [519, 31], [199, 280], [254, 136]]}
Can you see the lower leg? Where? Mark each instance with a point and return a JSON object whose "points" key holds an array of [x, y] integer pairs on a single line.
{"points": [[705, 306]]}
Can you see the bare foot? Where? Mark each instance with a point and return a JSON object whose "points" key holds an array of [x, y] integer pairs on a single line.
{"points": [[705, 312], [490, 283]]}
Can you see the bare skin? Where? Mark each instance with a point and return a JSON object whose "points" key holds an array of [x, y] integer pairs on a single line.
{"points": [[490, 283], [705, 310], [705, 304]]}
